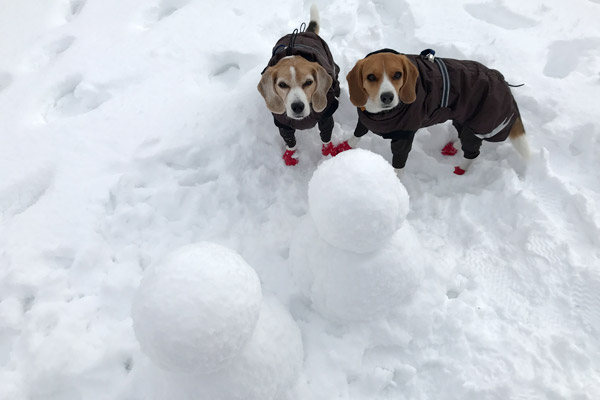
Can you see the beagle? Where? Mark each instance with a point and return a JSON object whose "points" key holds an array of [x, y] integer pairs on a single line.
{"points": [[301, 88], [397, 94]]}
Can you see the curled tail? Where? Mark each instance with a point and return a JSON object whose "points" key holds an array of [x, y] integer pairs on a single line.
{"points": [[315, 21]]}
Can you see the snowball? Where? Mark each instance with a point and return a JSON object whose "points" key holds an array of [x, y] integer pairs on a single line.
{"points": [[347, 286], [356, 201], [268, 365], [196, 310]]}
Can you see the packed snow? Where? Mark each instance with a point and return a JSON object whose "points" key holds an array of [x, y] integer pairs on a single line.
{"points": [[200, 317], [356, 201], [130, 129], [195, 311], [371, 262]]}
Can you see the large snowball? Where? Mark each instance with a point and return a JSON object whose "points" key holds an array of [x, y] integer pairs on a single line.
{"points": [[196, 310], [268, 365], [346, 286], [356, 201]]}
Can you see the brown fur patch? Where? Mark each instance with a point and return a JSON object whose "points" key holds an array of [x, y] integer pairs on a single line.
{"points": [[517, 129]]}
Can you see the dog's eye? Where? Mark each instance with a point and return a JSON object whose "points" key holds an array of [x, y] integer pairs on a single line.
{"points": [[371, 78], [282, 85], [397, 75], [307, 83]]}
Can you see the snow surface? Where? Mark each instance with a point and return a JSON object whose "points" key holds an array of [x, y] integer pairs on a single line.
{"points": [[267, 367], [356, 201], [131, 128], [197, 309], [345, 286]]}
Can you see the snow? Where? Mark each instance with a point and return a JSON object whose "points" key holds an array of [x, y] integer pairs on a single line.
{"points": [[353, 255], [130, 128], [356, 201], [345, 286], [267, 367], [197, 309]]}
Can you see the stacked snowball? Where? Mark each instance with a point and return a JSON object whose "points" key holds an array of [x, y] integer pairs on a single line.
{"points": [[355, 255], [200, 316]]}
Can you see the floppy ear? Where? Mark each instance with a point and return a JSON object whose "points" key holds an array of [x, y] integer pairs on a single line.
{"points": [[324, 81], [266, 87], [408, 91], [358, 94]]}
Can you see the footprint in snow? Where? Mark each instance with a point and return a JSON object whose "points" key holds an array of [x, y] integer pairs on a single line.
{"points": [[50, 51], [5, 80], [24, 193], [74, 97], [564, 56], [75, 7], [586, 300], [497, 14], [59, 46], [162, 10], [227, 67]]}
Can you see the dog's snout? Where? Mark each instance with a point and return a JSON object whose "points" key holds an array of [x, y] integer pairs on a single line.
{"points": [[297, 107], [387, 97]]}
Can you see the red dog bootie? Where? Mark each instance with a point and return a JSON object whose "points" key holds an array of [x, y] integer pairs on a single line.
{"points": [[449, 150], [288, 157], [459, 171], [328, 149], [341, 147]]}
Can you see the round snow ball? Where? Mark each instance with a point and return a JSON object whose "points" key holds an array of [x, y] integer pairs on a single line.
{"points": [[349, 287], [268, 365], [356, 201], [195, 311]]}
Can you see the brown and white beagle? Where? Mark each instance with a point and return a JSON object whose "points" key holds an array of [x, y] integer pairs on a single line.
{"points": [[301, 88], [397, 94]]}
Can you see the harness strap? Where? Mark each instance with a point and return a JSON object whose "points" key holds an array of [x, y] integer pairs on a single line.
{"points": [[445, 81], [429, 55]]}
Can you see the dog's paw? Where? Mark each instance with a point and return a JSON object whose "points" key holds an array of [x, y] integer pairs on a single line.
{"points": [[342, 147], [449, 149], [459, 171], [289, 157], [328, 149]]}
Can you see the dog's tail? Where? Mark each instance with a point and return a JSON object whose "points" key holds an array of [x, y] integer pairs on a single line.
{"points": [[518, 139], [315, 21]]}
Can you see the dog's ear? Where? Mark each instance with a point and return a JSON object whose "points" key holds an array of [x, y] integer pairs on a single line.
{"points": [[358, 94], [324, 81], [410, 73], [266, 87]]}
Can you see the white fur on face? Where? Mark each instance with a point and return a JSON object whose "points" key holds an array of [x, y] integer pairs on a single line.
{"points": [[376, 106], [296, 95]]}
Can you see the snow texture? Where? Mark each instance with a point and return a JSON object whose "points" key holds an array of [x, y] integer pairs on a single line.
{"points": [[346, 286], [356, 201], [267, 367], [131, 128], [195, 311]]}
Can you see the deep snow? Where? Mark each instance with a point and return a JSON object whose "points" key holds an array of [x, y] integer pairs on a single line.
{"points": [[130, 128]]}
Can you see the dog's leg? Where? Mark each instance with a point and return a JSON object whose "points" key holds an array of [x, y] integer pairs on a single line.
{"points": [[315, 21], [470, 145], [400, 149], [463, 166], [519, 140], [325, 130], [353, 141], [289, 137], [450, 149]]}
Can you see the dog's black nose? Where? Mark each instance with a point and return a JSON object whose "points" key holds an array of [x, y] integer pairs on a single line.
{"points": [[298, 107], [387, 97]]}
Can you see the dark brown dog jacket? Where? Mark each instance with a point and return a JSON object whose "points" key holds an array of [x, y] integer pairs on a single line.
{"points": [[310, 46], [475, 98]]}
